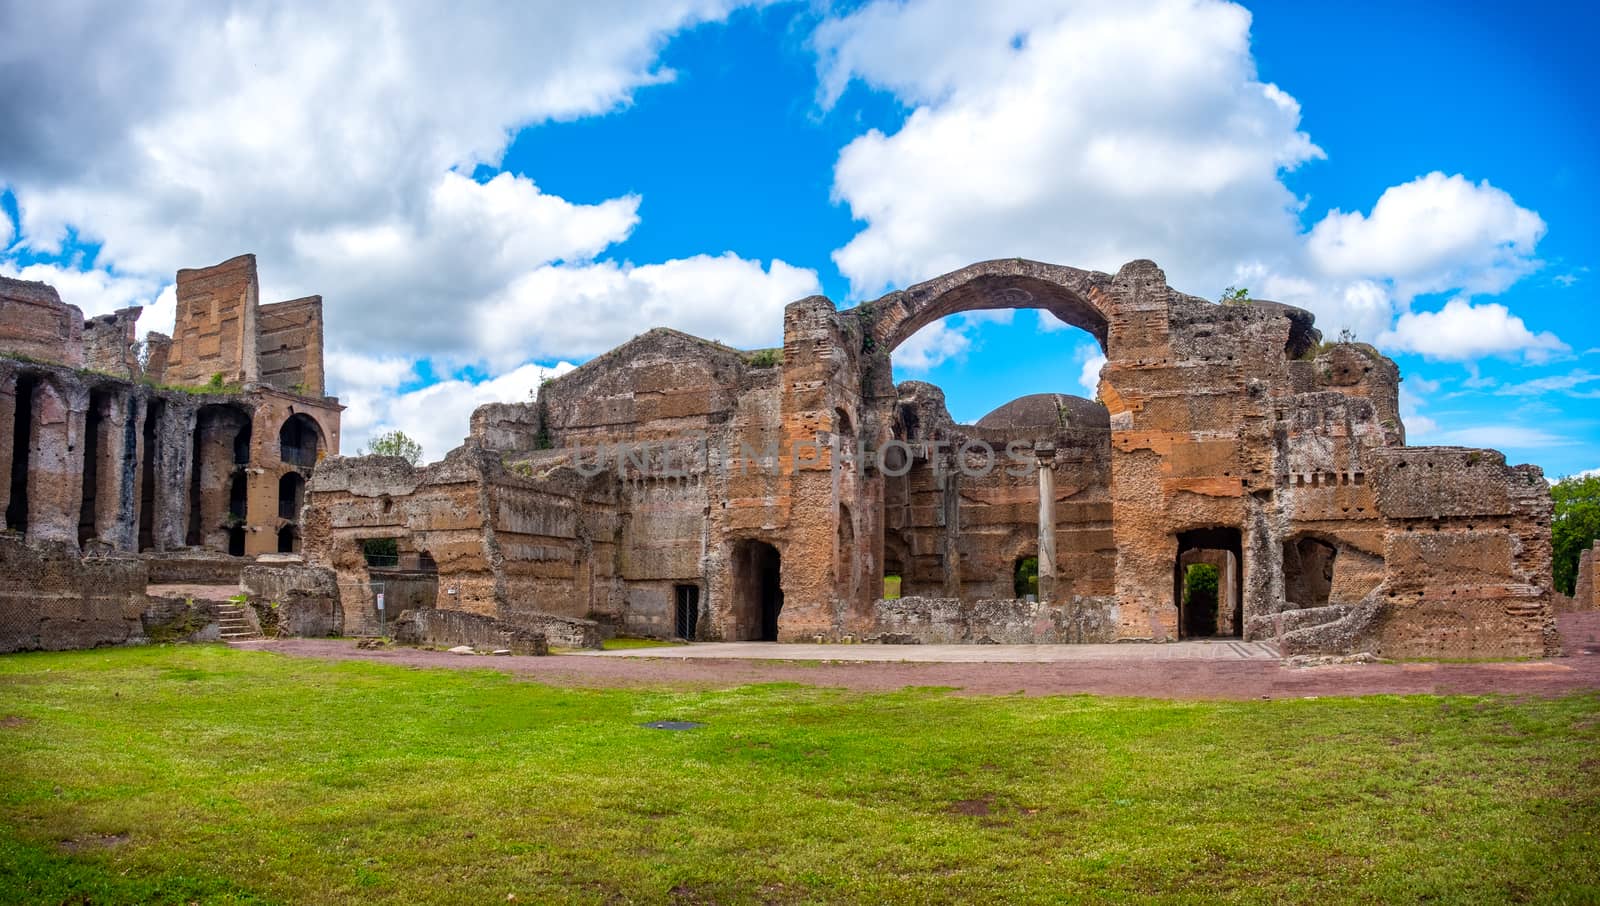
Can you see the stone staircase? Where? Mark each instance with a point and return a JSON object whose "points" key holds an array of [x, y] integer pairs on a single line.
{"points": [[235, 623]]}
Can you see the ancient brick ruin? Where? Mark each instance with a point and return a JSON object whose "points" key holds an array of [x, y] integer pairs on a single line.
{"points": [[129, 463], [678, 487]]}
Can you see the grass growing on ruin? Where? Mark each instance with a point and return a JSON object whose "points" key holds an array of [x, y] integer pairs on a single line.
{"points": [[203, 774]]}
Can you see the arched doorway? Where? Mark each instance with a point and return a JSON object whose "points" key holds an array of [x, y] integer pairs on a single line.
{"points": [[298, 441], [757, 591], [288, 540], [1207, 607], [213, 465]]}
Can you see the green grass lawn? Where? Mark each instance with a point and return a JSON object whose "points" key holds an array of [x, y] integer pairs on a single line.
{"points": [[202, 774], [625, 643]]}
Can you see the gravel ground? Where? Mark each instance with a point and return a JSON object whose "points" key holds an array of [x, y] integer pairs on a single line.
{"points": [[1579, 670]]}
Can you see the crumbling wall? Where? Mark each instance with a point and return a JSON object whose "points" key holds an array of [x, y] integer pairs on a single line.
{"points": [[35, 324], [1008, 621], [53, 599], [110, 343], [305, 598], [438, 511], [1586, 591], [215, 331], [449, 628], [289, 345], [1467, 561]]}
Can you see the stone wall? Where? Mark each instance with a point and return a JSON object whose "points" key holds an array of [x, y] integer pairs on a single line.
{"points": [[289, 345], [109, 343], [1006, 621], [36, 324], [304, 599], [216, 324], [1586, 591], [52, 599], [779, 487], [449, 628]]}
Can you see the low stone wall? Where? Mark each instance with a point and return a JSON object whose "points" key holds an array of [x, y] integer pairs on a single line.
{"points": [[292, 599], [1006, 621], [564, 632], [449, 628], [193, 567], [53, 600]]}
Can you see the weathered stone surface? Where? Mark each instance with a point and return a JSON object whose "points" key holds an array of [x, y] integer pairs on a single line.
{"points": [[677, 487], [53, 599], [36, 324], [104, 458], [467, 632], [305, 599]]}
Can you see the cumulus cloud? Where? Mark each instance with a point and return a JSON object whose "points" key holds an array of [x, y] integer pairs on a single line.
{"points": [[437, 416], [96, 292], [1091, 133], [934, 344], [1433, 234], [339, 144], [1463, 331], [581, 311]]}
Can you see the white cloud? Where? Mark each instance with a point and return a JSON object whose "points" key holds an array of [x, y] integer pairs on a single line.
{"points": [[1089, 376], [1433, 234], [1090, 133], [1114, 131], [580, 311], [334, 141], [932, 345], [1412, 399], [1502, 437], [1572, 384], [96, 292], [437, 416], [1462, 331]]}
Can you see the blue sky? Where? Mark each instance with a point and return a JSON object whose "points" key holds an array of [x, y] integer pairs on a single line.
{"points": [[483, 200]]}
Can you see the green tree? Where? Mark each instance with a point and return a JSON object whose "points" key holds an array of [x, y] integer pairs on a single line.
{"points": [[1235, 295], [1576, 525], [395, 443]]}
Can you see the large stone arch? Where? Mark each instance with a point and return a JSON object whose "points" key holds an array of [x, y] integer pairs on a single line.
{"points": [[1077, 297]]}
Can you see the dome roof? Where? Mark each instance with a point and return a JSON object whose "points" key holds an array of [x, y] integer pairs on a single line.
{"points": [[1048, 410]]}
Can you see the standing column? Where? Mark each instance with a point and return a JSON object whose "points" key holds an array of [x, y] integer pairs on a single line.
{"points": [[1047, 520], [949, 479], [55, 464]]}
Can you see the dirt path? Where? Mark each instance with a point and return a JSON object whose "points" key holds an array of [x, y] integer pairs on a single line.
{"points": [[1158, 678]]}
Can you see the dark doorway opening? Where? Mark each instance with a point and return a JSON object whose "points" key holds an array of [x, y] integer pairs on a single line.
{"points": [[1308, 571], [92, 425], [758, 584], [686, 611], [1203, 613], [288, 540], [298, 440], [238, 512], [291, 496], [147, 476], [1025, 577], [21, 444]]}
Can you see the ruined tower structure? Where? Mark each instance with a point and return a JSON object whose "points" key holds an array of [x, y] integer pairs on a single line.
{"points": [[128, 462], [678, 487]]}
